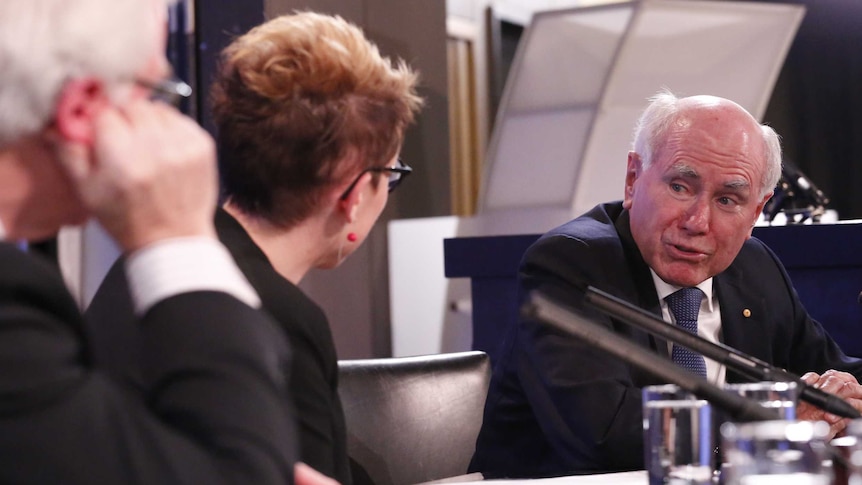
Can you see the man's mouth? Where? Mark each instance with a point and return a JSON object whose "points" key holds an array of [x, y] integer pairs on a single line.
{"points": [[687, 251]]}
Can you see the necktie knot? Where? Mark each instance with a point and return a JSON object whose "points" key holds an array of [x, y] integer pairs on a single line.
{"points": [[685, 306]]}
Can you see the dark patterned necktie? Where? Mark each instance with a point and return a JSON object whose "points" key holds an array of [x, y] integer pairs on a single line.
{"points": [[685, 306]]}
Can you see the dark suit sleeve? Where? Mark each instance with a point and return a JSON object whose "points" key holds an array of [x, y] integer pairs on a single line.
{"points": [[209, 410], [583, 399]]}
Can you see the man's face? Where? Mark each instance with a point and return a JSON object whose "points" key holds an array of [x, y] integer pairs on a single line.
{"points": [[697, 203]]}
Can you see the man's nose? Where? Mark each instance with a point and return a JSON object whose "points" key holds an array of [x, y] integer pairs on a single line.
{"points": [[696, 217]]}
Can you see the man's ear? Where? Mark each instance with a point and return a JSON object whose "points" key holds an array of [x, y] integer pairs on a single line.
{"points": [[349, 206], [759, 211], [77, 107], [633, 171]]}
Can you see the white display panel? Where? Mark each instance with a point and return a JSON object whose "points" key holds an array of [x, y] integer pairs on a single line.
{"points": [[598, 65]]}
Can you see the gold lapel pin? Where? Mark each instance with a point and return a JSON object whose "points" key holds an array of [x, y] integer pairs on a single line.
{"points": [[746, 313]]}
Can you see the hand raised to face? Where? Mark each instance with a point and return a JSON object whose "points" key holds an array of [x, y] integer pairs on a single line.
{"points": [[150, 174]]}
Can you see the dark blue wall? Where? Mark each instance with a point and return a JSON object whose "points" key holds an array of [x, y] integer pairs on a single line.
{"points": [[824, 262]]}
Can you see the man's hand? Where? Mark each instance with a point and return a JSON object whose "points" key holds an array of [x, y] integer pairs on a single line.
{"points": [[841, 384], [150, 174], [305, 475]]}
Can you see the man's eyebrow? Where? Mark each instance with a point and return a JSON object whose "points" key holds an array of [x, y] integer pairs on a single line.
{"points": [[737, 184], [685, 170]]}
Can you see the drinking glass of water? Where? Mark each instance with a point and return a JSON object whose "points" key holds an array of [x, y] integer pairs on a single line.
{"points": [[678, 438], [776, 453]]}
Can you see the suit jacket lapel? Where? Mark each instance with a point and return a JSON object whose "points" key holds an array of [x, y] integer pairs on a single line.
{"points": [[643, 293], [743, 315]]}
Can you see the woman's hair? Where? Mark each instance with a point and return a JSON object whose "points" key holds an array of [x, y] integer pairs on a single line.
{"points": [[45, 43], [302, 103], [664, 110]]}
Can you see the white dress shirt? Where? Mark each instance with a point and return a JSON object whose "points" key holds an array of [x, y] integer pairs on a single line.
{"points": [[173, 266]]}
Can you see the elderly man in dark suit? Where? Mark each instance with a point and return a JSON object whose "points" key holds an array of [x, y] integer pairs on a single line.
{"points": [[699, 174], [80, 138]]}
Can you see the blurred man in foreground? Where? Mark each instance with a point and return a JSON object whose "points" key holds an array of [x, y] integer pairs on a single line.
{"points": [[79, 138], [697, 178]]}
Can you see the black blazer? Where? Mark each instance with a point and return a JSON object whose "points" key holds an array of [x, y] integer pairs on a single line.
{"points": [[557, 406], [207, 409], [313, 380]]}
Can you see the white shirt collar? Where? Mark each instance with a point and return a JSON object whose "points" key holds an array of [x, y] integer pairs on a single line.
{"points": [[2, 231], [664, 289]]}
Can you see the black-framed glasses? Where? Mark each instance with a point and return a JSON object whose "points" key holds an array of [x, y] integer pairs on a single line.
{"points": [[168, 90], [396, 175]]}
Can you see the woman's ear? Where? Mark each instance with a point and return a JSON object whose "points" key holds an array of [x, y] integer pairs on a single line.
{"points": [[350, 204], [79, 103]]}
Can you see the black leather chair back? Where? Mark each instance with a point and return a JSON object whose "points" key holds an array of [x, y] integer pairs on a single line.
{"points": [[413, 419]]}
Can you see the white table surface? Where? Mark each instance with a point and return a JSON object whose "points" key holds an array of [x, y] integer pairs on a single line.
{"points": [[638, 477]]}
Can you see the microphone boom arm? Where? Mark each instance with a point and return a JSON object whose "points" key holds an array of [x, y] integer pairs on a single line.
{"points": [[746, 365], [738, 407]]}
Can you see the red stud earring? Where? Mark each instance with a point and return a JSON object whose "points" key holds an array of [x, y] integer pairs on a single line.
{"points": [[352, 237]]}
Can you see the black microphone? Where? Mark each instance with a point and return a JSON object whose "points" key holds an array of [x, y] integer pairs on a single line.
{"points": [[746, 365], [737, 407]]}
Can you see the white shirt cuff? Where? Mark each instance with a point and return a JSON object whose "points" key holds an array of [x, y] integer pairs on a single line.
{"points": [[174, 266]]}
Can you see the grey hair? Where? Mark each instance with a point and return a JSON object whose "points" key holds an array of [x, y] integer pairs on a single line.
{"points": [[663, 110], [45, 43]]}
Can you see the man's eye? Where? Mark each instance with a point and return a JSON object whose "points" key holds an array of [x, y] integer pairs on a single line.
{"points": [[726, 201], [676, 187]]}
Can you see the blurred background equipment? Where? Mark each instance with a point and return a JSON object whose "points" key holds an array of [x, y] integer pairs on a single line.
{"points": [[797, 200]]}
